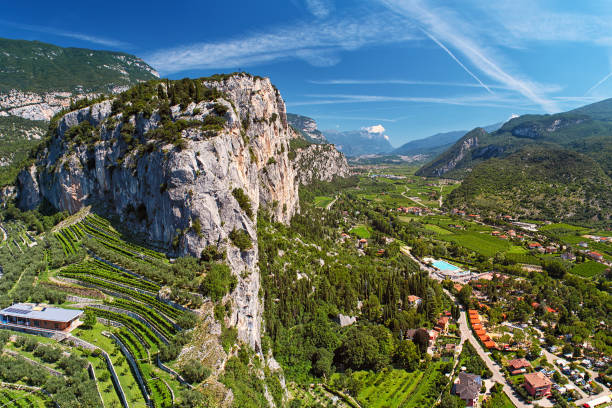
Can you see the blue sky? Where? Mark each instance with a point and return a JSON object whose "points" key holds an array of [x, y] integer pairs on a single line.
{"points": [[416, 67]]}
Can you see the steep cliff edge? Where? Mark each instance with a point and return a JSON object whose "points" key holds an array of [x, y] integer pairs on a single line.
{"points": [[184, 165]]}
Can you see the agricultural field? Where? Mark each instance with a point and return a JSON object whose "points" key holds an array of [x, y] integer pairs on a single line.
{"points": [[22, 399], [588, 269], [479, 242], [400, 388]]}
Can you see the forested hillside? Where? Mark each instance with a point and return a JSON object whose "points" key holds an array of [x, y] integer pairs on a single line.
{"points": [[33, 66], [538, 182]]}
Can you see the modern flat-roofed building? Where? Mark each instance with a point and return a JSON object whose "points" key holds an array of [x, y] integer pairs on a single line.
{"points": [[39, 317]]}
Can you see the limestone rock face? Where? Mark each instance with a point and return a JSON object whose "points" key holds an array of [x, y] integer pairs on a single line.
{"points": [[320, 162], [162, 192]]}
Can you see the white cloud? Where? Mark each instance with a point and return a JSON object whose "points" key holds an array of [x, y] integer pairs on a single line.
{"points": [[316, 43], [319, 8], [409, 82], [447, 26], [513, 22], [69, 34], [386, 137], [484, 100], [374, 129]]}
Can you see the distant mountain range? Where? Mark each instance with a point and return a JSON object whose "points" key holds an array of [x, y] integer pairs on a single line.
{"points": [[359, 142], [436, 144], [307, 127], [549, 166], [355, 143]]}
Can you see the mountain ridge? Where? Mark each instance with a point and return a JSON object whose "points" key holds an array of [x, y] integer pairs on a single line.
{"points": [[574, 130]]}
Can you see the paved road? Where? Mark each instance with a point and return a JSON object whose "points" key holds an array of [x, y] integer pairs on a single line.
{"points": [[551, 358], [466, 334]]}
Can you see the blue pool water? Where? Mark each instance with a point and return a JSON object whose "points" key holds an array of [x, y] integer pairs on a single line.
{"points": [[445, 266]]}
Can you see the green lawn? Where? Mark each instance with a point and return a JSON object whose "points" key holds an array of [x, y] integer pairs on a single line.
{"points": [[588, 269], [438, 230], [562, 226], [362, 231], [323, 201], [128, 383]]}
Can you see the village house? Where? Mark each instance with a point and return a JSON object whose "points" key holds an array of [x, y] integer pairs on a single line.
{"points": [[468, 388], [450, 348], [568, 256], [411, 333], [534, 245], [596, 256], [550, 249], [537, 384], [518, 366], [362, 243], [414, 300], [442, 324], [39, 317]]}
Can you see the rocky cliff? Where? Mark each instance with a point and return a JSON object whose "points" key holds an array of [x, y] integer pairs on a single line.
{"points": [[307, 127], [182, 176], [320, 162]]}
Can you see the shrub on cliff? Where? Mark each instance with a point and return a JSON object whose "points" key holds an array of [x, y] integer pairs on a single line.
{"points": [[243, 201], [241, 239]]}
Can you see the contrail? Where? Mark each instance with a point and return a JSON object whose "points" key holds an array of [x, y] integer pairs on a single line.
{"points": [[604, 79], [434, 39]]}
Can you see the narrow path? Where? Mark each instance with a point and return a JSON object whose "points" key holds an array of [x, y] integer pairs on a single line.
{"points": [[328, 206]]}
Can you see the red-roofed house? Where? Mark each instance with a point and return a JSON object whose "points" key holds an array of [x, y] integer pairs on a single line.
{"points": [[518, 363], [534, 245], [414, 300], [537, 384], [490, 344], [596, 256], [442, 324]]}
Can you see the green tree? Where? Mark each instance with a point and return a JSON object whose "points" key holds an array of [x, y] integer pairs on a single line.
{"points": [[407, 355], [194, 371]]}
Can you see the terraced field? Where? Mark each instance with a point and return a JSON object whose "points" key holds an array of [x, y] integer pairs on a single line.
{"points": [[588, 269], [145, 322], [399, 388], [22, 399]]}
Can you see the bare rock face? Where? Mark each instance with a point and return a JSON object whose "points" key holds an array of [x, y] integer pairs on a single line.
{"points": [[467, 145], [320, 162], [181, 198]]}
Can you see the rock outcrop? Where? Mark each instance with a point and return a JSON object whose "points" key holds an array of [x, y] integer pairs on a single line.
{"points": [[320, 162], [182, 198]]}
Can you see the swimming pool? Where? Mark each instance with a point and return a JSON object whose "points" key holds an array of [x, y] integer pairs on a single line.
{"points": [[445, 266]]}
